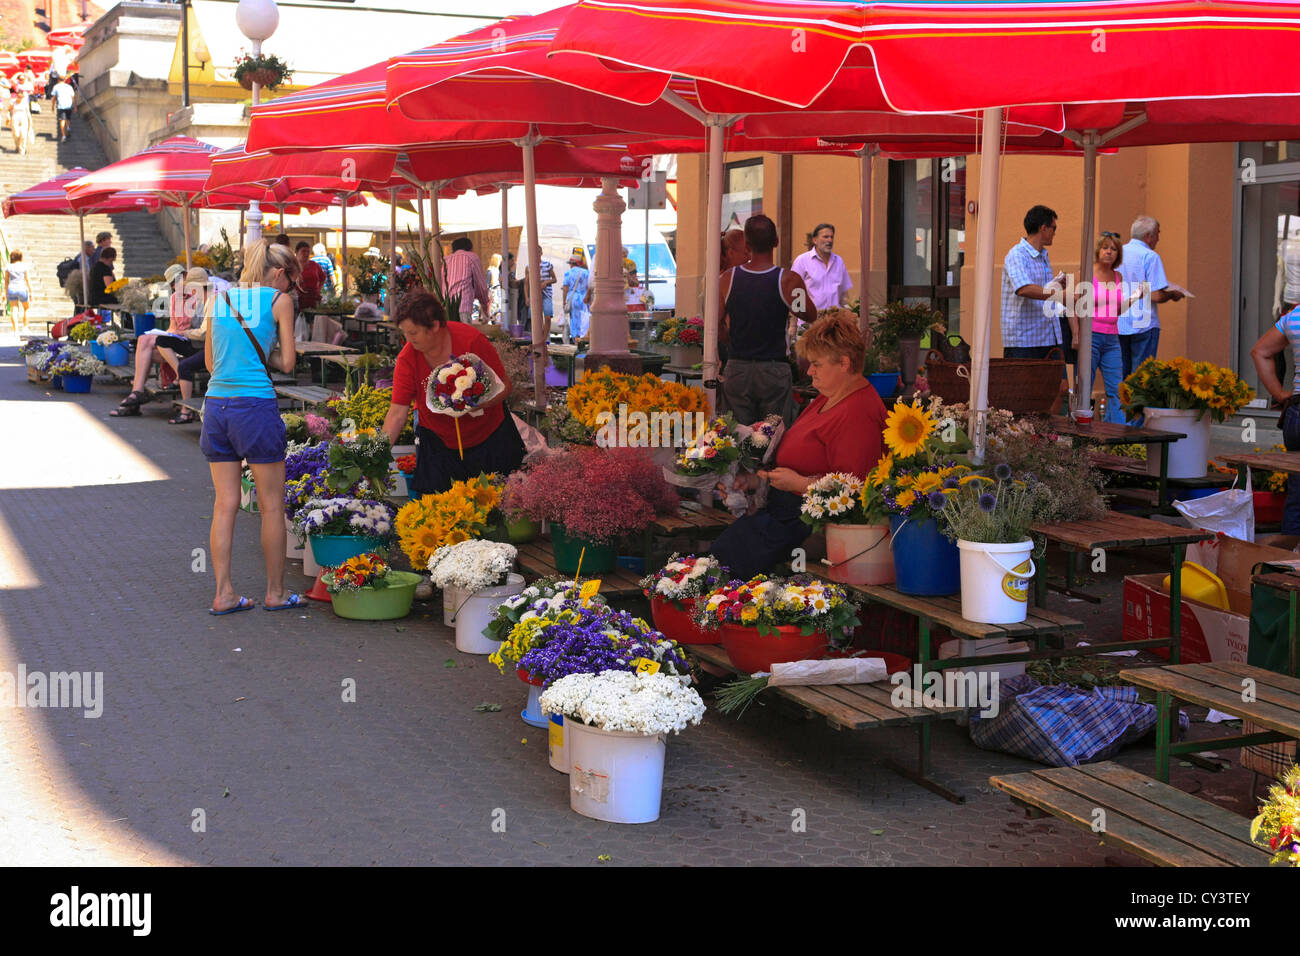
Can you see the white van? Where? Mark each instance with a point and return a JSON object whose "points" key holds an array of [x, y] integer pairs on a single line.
{"points": [[559, 241]]}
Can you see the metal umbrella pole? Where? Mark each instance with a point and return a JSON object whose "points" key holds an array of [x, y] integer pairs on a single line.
{"points": [[535, 274], [185, 225], [392, 252], [85, 269], [502, 276], [982, 335], [865, 158]]}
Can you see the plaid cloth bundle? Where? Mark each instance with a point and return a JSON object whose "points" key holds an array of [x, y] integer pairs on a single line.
{"points": [[1062, 726]]}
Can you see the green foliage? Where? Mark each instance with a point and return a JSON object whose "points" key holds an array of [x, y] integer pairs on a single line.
{"points": [[899, 320]]}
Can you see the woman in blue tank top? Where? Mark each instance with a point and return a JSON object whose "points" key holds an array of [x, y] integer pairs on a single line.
{"points": [[250, 330]]}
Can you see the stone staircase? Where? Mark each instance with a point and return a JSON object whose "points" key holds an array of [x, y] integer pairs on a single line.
{"points": [[45, 241]]}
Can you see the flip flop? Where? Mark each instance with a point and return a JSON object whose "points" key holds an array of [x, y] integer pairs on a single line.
{"points": [[295, 600], [244, 605]]}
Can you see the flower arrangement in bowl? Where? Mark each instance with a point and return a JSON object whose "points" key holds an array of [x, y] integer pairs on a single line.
{"points": [[367, 457], [478, 576], [990, 518], [679, 331], [77, 368], [365, 407], [1182, 396], [596, 638], [591, 497], [675, 591], [541, 603], [1278, 824], [340, 528], [713, 453], [769, 620], [366, 588], [265, 69], [614, 725], [406, 464], [853, 514]]}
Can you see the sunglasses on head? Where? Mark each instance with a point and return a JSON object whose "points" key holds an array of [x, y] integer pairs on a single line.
{"points": [[1111, 235]]}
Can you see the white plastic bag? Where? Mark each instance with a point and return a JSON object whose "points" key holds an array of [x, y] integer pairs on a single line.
{"points": [[846, 670], [1231, 512]]}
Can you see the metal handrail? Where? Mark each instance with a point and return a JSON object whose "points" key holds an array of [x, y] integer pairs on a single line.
{"points": [[102, 125]]}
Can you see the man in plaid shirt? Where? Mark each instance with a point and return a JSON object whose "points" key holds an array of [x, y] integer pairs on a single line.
{"points": [[1030, 326], [466, 278]]}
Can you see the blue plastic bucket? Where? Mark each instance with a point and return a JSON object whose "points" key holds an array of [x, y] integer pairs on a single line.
{"points": [[116, 354], [885, 383], [142, 322], [56, 381], [77, 383], [331, 550], [97, 351], [925, 562]]}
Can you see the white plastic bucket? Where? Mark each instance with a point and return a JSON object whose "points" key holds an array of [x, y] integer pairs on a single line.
{"points": [[558, 743], [615, 776], [452, 597], [532, 714], [292, 549], [859, 554], [475, 612], [309, 565], [1188, 457], [995, 581]]}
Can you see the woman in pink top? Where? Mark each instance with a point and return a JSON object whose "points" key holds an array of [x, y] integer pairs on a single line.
{"points": [[1108, 302]]}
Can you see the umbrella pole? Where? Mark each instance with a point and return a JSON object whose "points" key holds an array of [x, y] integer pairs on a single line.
{"points": [[185, 215], [344, 249], [392, 251], [85, 268], [502, 274], [864, 238], [982, 334], [535, 277], [424, 236], [1083, 367], [241, 230], [435, 226], [609, 328], [713, 261]]}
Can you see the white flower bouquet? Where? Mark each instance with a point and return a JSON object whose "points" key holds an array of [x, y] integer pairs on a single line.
{"points": [[344, 516], [683, 578], [75, 362], [833, 499], [460, 386], [648, 704], [472, 565], [107, 338]]}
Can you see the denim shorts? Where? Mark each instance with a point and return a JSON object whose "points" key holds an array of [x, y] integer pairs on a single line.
{"points": [[243, 429]]}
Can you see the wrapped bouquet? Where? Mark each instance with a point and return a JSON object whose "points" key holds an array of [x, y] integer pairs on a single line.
{"points": [[459, 387]]}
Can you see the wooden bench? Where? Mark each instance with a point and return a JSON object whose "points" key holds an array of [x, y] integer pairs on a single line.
{"points": [[856, 707], [121, 373], [194, 405], [538, 560], [305, 394], [1142, 816], [693, 519]]}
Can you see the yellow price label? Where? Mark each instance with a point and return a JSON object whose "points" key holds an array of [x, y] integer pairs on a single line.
{"points": [[589, 590], [645, 666]]}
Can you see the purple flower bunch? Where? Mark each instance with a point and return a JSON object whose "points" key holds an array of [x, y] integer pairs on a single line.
{"points": [[311, 460], [601, 639]]}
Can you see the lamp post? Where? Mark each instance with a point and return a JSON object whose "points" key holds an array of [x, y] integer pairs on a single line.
{"points": [[257, 20]]}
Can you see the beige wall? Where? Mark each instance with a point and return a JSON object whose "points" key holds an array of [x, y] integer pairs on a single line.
{"points": [[1188, 188]]}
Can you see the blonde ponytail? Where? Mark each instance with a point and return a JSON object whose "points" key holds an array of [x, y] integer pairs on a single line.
{"points": [[262, 257]]}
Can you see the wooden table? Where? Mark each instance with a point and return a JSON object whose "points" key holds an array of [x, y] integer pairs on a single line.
{"points": [[1286, 461], [305, 395], [856, 707], [1275, 704], [1110, 434], [683, 373], [311, 350], [538, 560], [693, 519], [1123, 533]]}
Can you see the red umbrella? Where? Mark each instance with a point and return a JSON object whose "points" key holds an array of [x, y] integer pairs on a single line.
{"points": [[51, 199]]}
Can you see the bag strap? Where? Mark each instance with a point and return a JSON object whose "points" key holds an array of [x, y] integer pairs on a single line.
{"points": [[261, 354]]}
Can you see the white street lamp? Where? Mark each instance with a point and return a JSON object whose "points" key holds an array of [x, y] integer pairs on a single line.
{"points": [[257, 20]]}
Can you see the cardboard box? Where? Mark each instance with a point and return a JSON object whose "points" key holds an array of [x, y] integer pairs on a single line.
{"points": [[1207, 633]]}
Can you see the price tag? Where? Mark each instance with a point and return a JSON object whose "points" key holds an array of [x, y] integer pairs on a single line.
{"points": [[589, 590], [645, 666]]}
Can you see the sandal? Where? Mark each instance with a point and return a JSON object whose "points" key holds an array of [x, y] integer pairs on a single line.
{"points": [[184, 418], [125, 411], [136, 398]]}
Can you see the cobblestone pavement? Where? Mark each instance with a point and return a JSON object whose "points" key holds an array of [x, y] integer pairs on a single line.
{"points": [[243, 718]]}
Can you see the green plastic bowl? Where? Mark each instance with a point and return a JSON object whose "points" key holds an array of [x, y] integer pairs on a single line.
{"points": [[384, 604]]}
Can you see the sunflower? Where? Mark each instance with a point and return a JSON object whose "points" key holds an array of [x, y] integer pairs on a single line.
{"points": [[1201, 383], [906, 499], [927, 482], [1125, 393], [906, 429], [880, 474]]}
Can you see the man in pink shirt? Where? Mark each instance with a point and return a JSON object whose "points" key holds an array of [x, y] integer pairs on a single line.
{"points": [[823, 271], [467, 278]]}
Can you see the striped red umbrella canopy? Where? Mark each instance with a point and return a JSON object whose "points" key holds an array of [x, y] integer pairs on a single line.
{"points": [[175, 170]]}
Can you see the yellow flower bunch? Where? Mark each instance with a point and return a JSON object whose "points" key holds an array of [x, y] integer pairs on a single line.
{"points": [[458, 514], [1183, 384], [605, 390], [200, 259], [117, 286], [907, 428]]}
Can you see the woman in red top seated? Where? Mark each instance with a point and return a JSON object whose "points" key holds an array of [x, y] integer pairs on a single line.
{"points": [[841, 430], [488, 436]]}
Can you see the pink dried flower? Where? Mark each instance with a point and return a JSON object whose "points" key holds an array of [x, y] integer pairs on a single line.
{"points": [[317, 426], [596, 493]]}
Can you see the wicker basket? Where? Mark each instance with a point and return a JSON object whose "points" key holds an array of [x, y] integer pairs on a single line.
{"points": [[1021, 386]]}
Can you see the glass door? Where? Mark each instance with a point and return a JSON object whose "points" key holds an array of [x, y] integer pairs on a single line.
{"points": [[927, 233]]}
